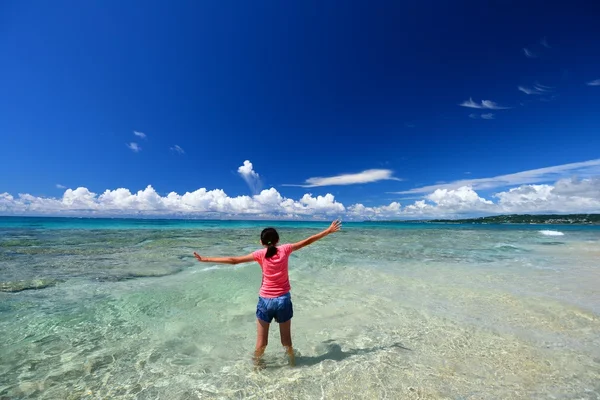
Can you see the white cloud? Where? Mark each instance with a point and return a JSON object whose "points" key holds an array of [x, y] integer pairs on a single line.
{"points": [[565, 196], [485, 104], [587, 168], [59, 186], [462, 198], [575, 187], [482, 116], [544, 42], [527, 90], [134, 147], [529, 53], [177, 149], [536, 89], [82, 201], [594, 83], [250, 176], [359, 211], [140, 134], [568, 195], [368, 176]]}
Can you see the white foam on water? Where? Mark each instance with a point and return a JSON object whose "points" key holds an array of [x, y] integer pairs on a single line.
{"points": [[552, 233], [506, 246], [211, 268], [218, 267]]}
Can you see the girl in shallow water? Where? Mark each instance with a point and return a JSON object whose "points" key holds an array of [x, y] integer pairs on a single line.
{"points": [[274, 301]]}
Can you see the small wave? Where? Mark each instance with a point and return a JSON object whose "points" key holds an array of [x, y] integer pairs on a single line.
{"points": [[136, 275], [218, 267], [504, 246], [552, 233]]}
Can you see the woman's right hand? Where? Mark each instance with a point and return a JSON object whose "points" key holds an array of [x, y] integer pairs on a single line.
{"points": [[335, 226]]}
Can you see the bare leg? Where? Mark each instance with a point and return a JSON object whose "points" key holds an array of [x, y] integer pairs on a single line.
{"points": [[285, 331], [262, 339]]}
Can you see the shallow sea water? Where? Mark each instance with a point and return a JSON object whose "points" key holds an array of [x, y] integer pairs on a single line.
{"points": [[121, 310]]}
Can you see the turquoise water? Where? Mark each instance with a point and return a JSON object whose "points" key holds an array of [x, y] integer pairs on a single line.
{"points": [[112, 308]]}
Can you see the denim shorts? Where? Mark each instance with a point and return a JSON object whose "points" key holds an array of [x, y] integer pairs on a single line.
{"points": [[279, 308]]}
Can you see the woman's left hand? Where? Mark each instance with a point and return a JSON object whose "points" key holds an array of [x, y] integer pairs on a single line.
{"points": [[198, 257]]}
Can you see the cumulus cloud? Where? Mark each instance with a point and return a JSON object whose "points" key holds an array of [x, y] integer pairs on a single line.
{"points": [[251, 177], [140, 134], [368, 176], [568, 195], [585, 168], [134, 147], [82, 201], [177, 149], [464, 197], [594, 83], [485, 104]]}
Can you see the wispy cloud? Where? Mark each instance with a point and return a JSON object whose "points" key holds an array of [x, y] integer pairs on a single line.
{"points": [[529, 53], [409, 125], [527, 90], [368, 176], [584, 169], [544, 42], [594, 83], [177, 149], [140, 134], [134, 147], [549, 98], [485, 105], [59, 186], [535, 89], [251, 177], [482, 116]]}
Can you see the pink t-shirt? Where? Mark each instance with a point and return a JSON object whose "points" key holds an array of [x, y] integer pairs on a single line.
{"points": [[275, 281]]}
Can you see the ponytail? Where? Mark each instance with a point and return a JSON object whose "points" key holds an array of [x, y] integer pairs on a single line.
{"points": [[271, 251], [269, 237]]}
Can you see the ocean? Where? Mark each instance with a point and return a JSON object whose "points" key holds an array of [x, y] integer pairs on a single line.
{"points": [[120, 309]]}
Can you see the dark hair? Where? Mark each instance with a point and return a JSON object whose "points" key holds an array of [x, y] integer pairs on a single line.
{"points": [[269, 237]]}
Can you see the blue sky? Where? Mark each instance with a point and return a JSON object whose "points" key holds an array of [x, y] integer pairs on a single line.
{"points": [[301, 90]]}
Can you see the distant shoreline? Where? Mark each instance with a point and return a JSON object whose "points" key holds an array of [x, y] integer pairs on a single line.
{"points": [[513, 219], [517, 219]]}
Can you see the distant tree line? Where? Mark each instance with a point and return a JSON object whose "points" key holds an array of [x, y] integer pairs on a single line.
{"points": [[571, 219]]}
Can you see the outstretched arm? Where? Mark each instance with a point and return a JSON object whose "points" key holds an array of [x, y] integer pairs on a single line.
{"points": [[225, 260], [334, 227]]}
